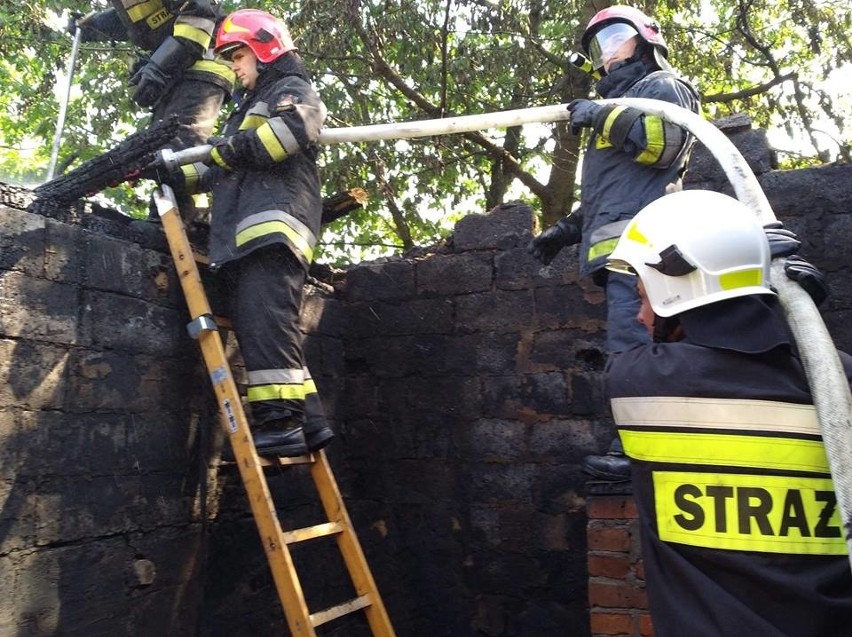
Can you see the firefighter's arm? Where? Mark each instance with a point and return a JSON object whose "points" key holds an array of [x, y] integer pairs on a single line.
{"points": [[99, 26], [293, 126], [194, 25], [650, 139], [192, 33]]}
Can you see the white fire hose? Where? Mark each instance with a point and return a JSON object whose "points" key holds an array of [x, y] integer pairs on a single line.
{"points": [[826, 378]]}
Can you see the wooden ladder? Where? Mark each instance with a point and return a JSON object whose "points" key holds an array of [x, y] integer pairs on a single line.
{"points": [[275, 541]]}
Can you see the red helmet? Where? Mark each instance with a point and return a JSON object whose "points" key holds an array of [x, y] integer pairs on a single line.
{"points": [[260, 31], [645, 27]]}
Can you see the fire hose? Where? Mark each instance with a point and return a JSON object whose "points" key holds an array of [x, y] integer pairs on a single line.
{"points": [[826, 378]]}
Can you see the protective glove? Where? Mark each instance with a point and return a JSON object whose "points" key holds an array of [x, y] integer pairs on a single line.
{"points": [[223, 153], [150, 82], [74, 23], [808, 277], [584, 114], [782, 242], [97, 26], [546, 245]]}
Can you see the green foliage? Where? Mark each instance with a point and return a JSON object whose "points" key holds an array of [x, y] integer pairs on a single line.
{"points": [[377, 61]]}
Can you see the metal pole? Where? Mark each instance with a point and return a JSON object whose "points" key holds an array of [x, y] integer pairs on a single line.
{"points": [[63, 106]]}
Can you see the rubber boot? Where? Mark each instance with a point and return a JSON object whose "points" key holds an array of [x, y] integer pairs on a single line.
{"points": [[614, 466], [281, 438]]}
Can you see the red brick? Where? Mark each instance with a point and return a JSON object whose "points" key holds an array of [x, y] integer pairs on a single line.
{"points": [[616, 595], [611, 507], [640, 570], [646, 627], [615, 566], [608, 539], [611, 623]]}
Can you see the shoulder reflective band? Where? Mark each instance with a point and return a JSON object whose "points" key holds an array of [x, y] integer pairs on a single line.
{"points": [[663, 142], [767, 514]]}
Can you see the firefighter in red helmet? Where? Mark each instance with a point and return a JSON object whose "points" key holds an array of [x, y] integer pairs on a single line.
{"points": [[630, 160], [265, 220]]}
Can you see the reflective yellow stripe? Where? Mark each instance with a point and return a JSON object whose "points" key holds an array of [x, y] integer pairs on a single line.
{"points": [[142, 10], [656, 139], [217, 157], [216, 68], [741, 279], [271, 227], [762, 452], [271, 143], [768, 514], [252, 121], [310, 386], [610, 120], [275, 392], [602, 248], [190, 176], [193, 34]]}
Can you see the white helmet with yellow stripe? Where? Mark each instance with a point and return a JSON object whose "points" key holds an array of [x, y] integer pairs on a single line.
{"points": [[693, 248]]}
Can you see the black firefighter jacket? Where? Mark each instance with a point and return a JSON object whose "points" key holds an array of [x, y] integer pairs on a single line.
{"points": [[272, 195], [632, 160], [740, 531]]}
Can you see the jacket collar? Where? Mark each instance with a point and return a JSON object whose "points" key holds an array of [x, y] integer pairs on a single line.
{"points": [[748, 324]]}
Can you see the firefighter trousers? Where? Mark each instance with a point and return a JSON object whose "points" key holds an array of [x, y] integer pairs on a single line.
{"points": [[264, 290]]}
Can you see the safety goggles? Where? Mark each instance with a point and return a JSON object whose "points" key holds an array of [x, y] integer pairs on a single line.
{"points": [[607, 41]]}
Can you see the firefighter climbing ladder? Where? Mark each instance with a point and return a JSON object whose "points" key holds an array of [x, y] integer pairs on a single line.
{"points": [[275, 540]]}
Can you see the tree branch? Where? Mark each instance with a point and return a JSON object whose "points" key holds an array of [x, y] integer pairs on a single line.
{"points": [[384, 70], [748, 92]]}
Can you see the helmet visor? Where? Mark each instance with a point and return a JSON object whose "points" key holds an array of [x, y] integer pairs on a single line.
{"points": [[608, 41]]}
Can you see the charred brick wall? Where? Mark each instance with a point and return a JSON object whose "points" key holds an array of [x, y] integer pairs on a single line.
{"points": [[103, 493], [464, 383]]}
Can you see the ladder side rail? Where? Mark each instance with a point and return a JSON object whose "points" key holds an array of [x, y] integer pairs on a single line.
{"points": [[350, 548], [233, 418]]}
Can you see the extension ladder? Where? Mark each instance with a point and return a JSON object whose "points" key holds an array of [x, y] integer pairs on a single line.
{"points": [[275, 540]]}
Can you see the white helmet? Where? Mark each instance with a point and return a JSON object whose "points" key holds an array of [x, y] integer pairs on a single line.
{"points": [[693, 248]]}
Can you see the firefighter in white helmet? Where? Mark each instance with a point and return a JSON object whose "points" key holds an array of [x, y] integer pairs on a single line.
{"points": [[739, 524]]}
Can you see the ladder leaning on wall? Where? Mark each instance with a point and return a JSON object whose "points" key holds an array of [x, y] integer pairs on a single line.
{"points": [[275, 540]]}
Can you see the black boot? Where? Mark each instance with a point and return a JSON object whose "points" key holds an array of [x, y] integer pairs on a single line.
{"points": [[612, 467], [282, 438], [317, 437]]}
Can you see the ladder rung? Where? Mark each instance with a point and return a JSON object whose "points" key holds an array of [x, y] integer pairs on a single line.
{"points": [[311, 532], [324, 616], [275, 461], [203, 259]]}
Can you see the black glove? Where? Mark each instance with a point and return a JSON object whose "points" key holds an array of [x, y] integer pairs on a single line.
{"points": [[584, 114], [98, 26], [808, 276], [150, 82], [71, 26], [547, 244], [782, 242], [224, 154]]}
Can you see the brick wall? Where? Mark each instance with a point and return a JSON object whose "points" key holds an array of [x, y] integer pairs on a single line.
{"points": [[617, 600], [464, 383]]}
